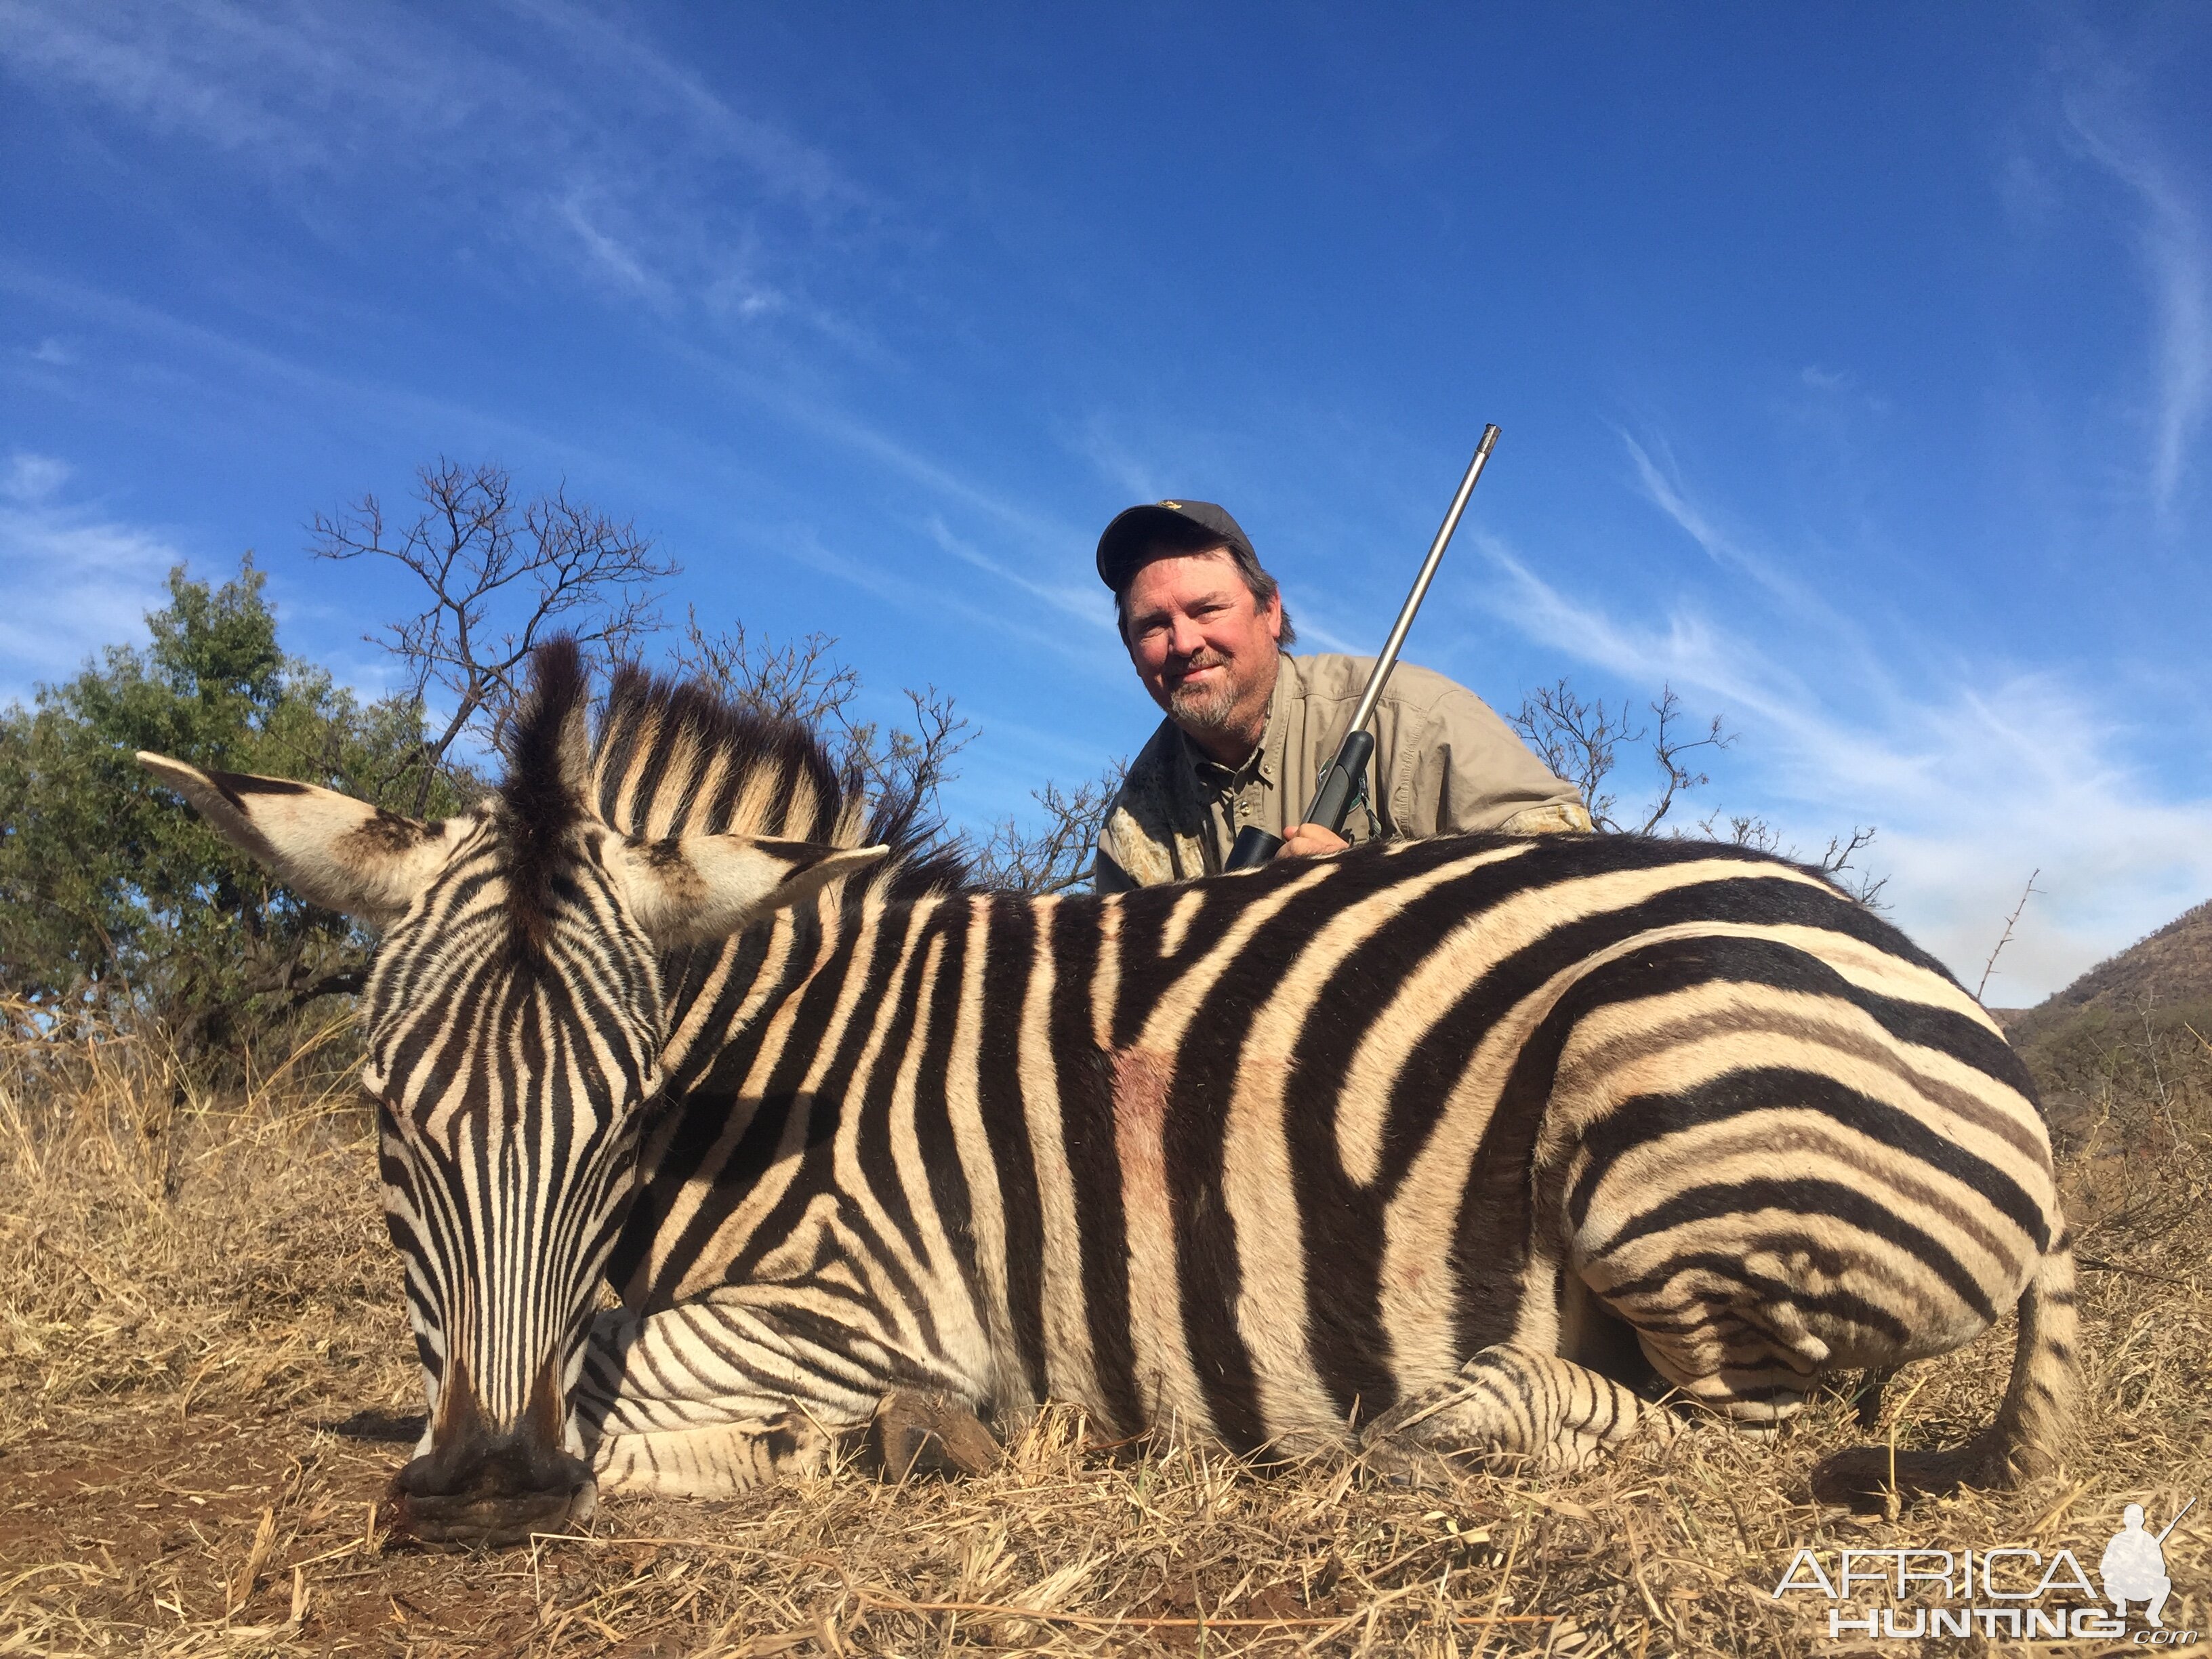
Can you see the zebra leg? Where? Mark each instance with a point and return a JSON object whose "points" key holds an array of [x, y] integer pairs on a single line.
{"points": [[713, 1460], [1867, 1405], [910, 1433], [1512, 1402], [712, 1397], [690, 1402], [1748, 1354]]}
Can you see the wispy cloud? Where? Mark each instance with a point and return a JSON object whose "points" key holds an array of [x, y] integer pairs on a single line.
{"points": [[1136, 477], [1040, 543], [32, 479], [1685, 648], [991, 619], [1840, 387], [1661, 482], [71, 580], [610, 257], [253, 81], [1311, 633], [1082, 605], [586, 143], [1972, 783], [809, 411], [224, 362], [783, 162], [2172, 242]]}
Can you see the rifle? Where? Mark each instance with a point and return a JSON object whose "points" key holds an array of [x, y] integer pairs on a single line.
{"points": [[1345, 779], [2176, 1522]]}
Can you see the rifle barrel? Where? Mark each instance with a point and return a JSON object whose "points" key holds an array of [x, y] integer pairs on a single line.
{"points": [[1387, 658], [2176, 1522]]}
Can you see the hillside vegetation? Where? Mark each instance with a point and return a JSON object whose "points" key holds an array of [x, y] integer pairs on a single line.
{"points": [[2135, 1027], [2171, 967]]}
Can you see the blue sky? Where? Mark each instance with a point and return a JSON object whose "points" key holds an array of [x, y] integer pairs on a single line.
{"points": [[1853, 363]]}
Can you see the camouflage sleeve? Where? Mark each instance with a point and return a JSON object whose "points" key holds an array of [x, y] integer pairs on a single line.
{"points": [[1137, 843], [1560, 817], [1107, 876]]}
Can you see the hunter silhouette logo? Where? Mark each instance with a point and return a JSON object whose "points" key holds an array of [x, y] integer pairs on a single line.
{"points": [[2133, 1566]]}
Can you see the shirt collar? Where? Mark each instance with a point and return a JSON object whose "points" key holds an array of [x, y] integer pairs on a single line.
{"points": [[1265, 763]]}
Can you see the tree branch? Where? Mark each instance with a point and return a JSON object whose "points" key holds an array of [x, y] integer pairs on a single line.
{"points": [[2005, 938], [497, 580]]}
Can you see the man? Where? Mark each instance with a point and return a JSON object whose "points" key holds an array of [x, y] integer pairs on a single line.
{"points": [[2134, 1569], [1249, 729]]}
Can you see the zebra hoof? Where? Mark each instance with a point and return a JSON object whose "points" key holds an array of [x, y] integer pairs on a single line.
{"points": [[927, 1434], [1408, 1465]]}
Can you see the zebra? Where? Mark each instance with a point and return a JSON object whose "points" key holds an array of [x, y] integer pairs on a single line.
{"points": [[720, 1119]]}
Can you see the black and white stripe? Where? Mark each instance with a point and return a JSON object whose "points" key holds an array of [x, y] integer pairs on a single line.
{"points": [[1435, 1147], [497, 1074], [1274, 1156]]}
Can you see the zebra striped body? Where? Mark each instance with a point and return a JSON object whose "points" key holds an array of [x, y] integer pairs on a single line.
{"points": [[1263, 1157], [1441, 1143]]}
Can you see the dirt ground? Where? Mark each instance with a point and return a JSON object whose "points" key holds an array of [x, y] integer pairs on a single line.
{"points": [[205, 1382]]}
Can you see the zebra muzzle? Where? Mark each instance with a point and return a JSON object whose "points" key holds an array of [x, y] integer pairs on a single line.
{"points": [[477, 1488]]}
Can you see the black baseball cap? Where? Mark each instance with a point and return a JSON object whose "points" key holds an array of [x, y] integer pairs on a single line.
{"points": [[1126, 540]]}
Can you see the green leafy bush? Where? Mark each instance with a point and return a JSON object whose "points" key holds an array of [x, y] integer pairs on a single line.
{"points": [[115, 902]]}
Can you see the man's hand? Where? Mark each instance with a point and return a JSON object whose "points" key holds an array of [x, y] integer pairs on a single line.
{"points": [[1305, 840]]}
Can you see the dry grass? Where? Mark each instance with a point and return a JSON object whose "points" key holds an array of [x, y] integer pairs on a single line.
{"points": [[207, 1380]]}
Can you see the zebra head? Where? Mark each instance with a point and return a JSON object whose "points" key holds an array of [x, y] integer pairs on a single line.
{"points": [[513, 1025]]}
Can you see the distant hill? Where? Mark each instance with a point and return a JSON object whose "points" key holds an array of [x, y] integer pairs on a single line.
{"points": [[2172, 966], [2157, 992]]}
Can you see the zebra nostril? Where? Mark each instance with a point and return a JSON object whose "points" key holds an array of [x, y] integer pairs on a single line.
{"points": [[510, 1468], [481, 1487], [490, 1494]]}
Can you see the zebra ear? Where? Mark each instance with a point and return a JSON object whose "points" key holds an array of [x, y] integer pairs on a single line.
{"points": [[330, 848], [689, 889]]}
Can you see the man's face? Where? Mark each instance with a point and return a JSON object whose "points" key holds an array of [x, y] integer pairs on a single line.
{"points": [[1204, 649]]}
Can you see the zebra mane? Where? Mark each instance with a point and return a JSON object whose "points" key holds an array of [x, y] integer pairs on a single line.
{"points": [[538, 803], [672, 758]]}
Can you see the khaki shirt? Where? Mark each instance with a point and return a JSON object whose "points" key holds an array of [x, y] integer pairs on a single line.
{"points": [[1444, 763]]}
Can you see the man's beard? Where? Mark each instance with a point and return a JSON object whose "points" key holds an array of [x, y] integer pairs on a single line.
{"points": [[1211, 707]]}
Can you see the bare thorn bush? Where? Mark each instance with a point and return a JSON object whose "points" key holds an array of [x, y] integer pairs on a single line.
{"points": [[498, 576], [1581, 741], [1053, 854]]}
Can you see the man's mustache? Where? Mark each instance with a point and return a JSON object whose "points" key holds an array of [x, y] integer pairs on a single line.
{"points": [[1192, 664]]}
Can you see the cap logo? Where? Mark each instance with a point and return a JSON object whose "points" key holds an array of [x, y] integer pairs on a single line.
{"points": [[1177, 504]]}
